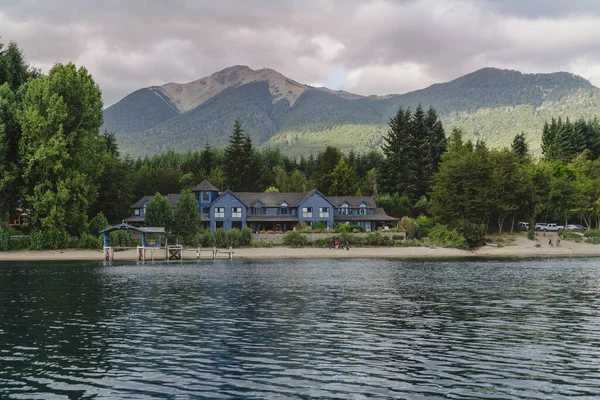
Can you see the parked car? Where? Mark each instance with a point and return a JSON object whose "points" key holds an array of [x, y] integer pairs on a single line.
{"points": [[548, 227], [575, 227], [524, 226]]}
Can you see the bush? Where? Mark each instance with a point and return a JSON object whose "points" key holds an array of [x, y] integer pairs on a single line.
{"points": [[98, 223], [409, 227], [122, 238], [592, 233], [233, 237], [374, 239], [220, 238], [245, 236], [473, 233], [346, 228], [294, 239], [204, 238], [593, 240], [319, 225], [411, 243], [425, 225], [443, 236], [4, 240], [20, 242], [49, 240], [531, 234], [87, 241]]}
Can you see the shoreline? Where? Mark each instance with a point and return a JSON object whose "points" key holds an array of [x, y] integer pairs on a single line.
{"points": [[521, 248]]}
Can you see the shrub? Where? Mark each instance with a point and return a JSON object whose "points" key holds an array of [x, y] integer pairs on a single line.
{"points": [[294, 239], [220, 238], [233, 237], [204, 238], [531, 234], [122, 238], [319, 225], [425, 226], [87, 241], [374, 239], [443, 236], [592, 233], [49, 240], [245, 236], [98, 223], [20, 242], [408, 226], [473, 233], [4, 240], [593, 240]]}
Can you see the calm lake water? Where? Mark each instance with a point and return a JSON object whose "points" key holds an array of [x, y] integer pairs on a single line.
{"points": [[301, 329]]}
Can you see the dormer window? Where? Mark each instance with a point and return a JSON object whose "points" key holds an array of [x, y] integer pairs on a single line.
{"points": [[284, 210], [205, 196], [362, 209], [344, 209], [136, 211]]}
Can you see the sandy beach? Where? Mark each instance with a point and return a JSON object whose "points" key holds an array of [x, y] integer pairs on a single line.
{"points": [[521, 247]]}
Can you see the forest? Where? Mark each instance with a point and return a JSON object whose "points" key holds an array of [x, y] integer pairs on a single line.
{"points": [[71, 178]]}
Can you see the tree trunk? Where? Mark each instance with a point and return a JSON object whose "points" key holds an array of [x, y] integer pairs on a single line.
{"points": [[512, 226]]}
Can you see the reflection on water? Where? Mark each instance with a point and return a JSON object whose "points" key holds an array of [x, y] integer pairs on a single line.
{"points": [[301, 328]]}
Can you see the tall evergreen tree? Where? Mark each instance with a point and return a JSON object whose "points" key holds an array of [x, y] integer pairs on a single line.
{"points": [[236, 160], [186, 221]]}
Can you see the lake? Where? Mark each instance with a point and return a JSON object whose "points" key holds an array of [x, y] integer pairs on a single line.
{"points": [[276, 329]]}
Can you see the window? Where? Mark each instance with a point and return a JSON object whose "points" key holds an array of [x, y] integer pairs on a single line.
{"points": [[219, 212], [362, 210], [284, 210], [205, 196], [344, 209], [323, 212], [136, 211], [236, 212], [306, 212]]}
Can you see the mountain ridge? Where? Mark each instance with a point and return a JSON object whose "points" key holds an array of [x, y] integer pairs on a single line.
{"points": [[278, 111]]}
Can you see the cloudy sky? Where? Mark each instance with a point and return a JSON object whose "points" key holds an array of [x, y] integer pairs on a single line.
{"points": [[363, 46]]}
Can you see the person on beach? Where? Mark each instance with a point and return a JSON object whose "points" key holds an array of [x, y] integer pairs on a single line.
{"points": [[550, 242], [347, 245], [558, 242]]}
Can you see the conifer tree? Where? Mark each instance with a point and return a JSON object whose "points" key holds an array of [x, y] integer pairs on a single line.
{"points": [[236, 161], [186, 221]]}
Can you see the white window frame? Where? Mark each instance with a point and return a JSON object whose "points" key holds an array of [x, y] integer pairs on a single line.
{"points": [[344, 209], [362, 210], [323, 212], [136, 211], [306, 213], [236, 212], [219, 212]]}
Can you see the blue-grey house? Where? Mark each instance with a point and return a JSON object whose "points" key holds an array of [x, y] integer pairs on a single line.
{"points": [[263, 211]]}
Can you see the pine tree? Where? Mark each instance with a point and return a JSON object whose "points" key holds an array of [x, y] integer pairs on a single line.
{"points": [[235, 159], [343, 180]]}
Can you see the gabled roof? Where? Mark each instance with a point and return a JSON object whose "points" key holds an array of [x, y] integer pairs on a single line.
{"points": [[231, 193], [172, 197], [353, 201], [126, 226], [315, 191], [205, 186], [271, 199]]}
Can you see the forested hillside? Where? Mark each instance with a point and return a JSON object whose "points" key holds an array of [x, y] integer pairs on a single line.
{"points": [[489, 104]]}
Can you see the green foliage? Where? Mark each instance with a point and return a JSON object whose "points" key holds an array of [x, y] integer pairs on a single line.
{"points": [[294, 239], [443, 236], [60, 147], [425, 224], [531, 234], [343, 179], [89, 241], [395, 205], [272, 189], [49, 239], [242, 164], [98, 223], [245, 236], [204, 238], [347, 228], [473, 233], [123, 238], [409, 227], [234, 237], [319, 225], [593, 240], [159, 212], [4, 240], [220, 238], [186, 222]]}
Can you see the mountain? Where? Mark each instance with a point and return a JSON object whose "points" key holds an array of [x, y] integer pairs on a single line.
{"points": [[490, 104]]}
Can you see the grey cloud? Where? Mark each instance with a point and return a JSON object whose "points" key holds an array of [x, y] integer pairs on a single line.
{"points": [[131, 44]]}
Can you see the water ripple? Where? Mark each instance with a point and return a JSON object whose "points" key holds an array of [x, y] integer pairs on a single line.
{"points": [[301, 329]]}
